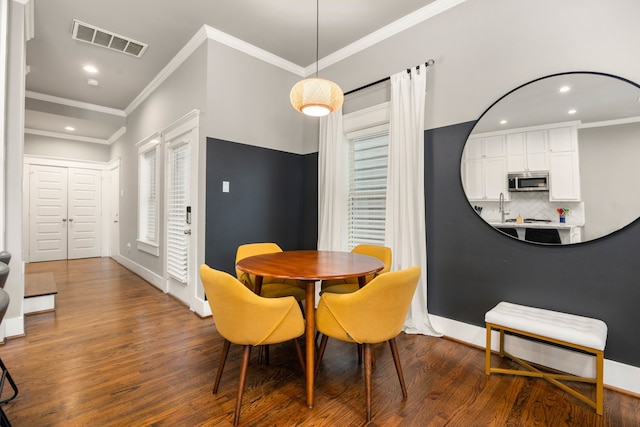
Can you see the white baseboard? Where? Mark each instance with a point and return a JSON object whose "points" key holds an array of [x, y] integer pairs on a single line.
{"points": [[14, 326], [200, 306], [616, 374], [148, 275]]}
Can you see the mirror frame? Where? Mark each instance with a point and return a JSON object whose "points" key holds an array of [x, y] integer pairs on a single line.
{"points": [[498, 101]]}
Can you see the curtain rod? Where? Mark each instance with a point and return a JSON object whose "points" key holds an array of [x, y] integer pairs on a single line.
{"points": [[429, 63]]}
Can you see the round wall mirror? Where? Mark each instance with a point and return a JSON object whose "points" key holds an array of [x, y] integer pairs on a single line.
{"points": [[552, 162]]}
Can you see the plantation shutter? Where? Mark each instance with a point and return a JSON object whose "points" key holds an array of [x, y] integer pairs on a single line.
{"points": [[178, 195], [150, 198], [368, 157]]}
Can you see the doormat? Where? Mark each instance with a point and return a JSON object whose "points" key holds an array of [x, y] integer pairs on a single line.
{"points": [[39, 284]]}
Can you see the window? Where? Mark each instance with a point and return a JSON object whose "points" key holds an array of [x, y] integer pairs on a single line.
{"points": [[367, 193], [148, 195], [178, 195]]}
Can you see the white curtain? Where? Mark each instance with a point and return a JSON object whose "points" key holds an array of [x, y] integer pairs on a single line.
{"points": [[405, 224], [332, 184]]}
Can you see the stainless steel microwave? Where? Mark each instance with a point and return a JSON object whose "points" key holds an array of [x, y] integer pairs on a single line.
{"points": [[528, 181]]}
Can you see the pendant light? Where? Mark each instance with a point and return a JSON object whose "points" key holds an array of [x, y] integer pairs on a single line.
{"points": [[315, 96]]}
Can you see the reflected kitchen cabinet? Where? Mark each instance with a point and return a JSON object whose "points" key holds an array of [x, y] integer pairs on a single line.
{"points": [[485, 168], [527, 151], [564, 164]]}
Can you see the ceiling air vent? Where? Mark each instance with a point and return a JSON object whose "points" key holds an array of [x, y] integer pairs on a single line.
{"points": [[97, 36]]}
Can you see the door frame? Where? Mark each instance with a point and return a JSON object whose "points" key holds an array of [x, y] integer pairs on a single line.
{"points": [[189, 123], [29, 160]]}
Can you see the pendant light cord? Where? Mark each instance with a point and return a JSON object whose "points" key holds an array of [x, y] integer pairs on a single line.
{"points": [[317, 35]]}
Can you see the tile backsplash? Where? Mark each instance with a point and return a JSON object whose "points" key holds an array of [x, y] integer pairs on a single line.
{"points": [[534, 204]]}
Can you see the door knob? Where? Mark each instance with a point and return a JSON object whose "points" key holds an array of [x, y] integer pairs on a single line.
{"points": [[188, 231], [70, 219], [64, 219]]}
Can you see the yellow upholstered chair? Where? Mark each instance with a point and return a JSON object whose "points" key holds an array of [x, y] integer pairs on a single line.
{"points": [[348, 285], [371, 315], [271, 287], [244, 318]]}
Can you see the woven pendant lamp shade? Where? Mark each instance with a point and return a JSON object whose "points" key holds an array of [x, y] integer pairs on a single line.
{"points": [[316, 97]]}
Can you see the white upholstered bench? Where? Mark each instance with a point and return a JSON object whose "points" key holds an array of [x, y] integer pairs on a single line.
{"points": [[568, 330]]}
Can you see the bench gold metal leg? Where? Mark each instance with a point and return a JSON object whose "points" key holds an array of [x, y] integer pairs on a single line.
{"points": [[553, 378], [600, 382], [488, 352]]}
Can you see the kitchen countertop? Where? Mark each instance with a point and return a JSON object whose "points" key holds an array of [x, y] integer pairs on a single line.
{"points": [[557, 225]]}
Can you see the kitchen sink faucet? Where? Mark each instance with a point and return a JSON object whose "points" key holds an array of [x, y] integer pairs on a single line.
{"points": [[501, 207]]}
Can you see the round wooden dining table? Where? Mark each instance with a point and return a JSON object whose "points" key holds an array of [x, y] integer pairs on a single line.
{"points": [[310, 267]]}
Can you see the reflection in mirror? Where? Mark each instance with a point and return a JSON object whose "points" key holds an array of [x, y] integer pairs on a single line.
{"points": [[554, 161]]}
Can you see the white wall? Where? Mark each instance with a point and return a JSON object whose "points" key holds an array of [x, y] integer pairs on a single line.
{"points": [[13, 167], [36, 145], [179, 94], [248, 102], [609, 158], [484, 48]]}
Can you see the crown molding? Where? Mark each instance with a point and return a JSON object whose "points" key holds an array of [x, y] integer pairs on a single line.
{"points": [[117, 134], [65, 136], [385, 32], [203, 34], [209, 33], [73, 103]]}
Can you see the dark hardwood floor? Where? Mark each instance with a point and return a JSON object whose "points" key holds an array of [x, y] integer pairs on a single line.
{"points": [[118, 352]]}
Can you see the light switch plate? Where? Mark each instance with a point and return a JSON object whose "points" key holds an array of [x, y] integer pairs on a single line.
{"points": [[225, 186]]}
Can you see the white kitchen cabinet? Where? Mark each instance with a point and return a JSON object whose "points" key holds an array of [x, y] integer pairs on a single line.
{"points": [[527, 151], [564, 164], [564, 176], [485, 178], [485, 168], [486, 147], [563, 139]]}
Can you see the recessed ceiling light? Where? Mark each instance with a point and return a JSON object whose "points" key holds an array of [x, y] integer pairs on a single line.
{"points": [[503, 122], [90, 69], [92, 82], [564, 89], [572, 111], [70, 128]]}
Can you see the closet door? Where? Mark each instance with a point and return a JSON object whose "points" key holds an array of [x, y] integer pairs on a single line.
{"points": [[64, 213], [47, 213], [84, 213]]}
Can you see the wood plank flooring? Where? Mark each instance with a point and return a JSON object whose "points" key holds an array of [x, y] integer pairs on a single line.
{"points": [[118, 352]]}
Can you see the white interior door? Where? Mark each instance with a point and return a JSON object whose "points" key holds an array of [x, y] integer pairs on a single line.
{"points": [[64, 213], [47, 213], [180, 211], [85, 213]]}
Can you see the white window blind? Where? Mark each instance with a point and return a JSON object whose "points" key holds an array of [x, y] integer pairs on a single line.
{"points": [[368, 158], [148, 230], [178, 200]]}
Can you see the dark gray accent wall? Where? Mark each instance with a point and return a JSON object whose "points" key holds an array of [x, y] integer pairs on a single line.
{"points": [[471, 267], [264, 204]]}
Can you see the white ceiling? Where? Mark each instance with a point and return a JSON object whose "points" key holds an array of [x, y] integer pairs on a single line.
{"points": [[57, 88]]}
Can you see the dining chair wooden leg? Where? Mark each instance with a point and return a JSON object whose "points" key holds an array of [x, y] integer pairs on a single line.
{"points": [[323, 346], [300, 356], [396, 360], [246, 354], [367, 378], [223, 359], [263, 352]]}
